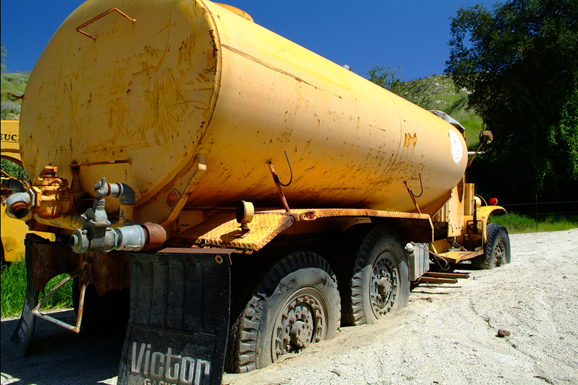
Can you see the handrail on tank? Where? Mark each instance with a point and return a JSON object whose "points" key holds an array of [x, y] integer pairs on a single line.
{"points": [[78, 29]]}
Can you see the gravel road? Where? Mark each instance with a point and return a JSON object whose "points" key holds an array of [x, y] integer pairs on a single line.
{"points": [[447, 334]]}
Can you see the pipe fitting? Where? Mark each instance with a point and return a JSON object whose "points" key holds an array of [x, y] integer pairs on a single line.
{"points": [[96, 235], [18, 204], [409, 248], [128, 238], [12, 185], [116, 190]]}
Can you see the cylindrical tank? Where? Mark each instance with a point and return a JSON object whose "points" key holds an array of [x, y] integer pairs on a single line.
{"points": [[191, 75]]}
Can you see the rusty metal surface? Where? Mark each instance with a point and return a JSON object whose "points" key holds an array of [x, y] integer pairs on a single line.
{"points": [[110, 271], [153, 83], [223, 230], [446, 275], [188, 250], [458, 256], [101, 163], [437, 280], [79, 28], [76, 328], [156, 235], [50, 259], [411, 226], [52, 195], [166, 91], [278, 186], [66, 221]]}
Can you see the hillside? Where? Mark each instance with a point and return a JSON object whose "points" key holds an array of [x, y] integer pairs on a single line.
{"points": [[12, 84], [434, 93], [438, 92]]}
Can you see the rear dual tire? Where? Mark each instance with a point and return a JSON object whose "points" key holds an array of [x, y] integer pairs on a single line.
{"points": [[295, 305], [380, 280]]}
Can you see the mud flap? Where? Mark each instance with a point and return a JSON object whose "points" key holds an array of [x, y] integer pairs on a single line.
{"points": [[179, 317], [22, 336]]}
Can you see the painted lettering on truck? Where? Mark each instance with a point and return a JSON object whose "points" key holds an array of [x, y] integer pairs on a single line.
{"points": [[157, 367]]}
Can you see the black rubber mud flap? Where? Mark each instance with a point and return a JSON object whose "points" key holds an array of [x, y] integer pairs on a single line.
{"points": [[179, 317], [22, 336]]}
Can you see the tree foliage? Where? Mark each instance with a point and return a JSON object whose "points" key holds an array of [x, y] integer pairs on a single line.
{"points": [[520, 63], [3, 55], [419, 93]]}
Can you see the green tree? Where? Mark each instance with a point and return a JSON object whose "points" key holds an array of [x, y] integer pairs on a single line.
{"points": [[3, 55], [520, 63], [417, 92]]}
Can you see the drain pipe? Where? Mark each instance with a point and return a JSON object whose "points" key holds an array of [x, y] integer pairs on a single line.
{"points": [[124, 193], [97, 235]]}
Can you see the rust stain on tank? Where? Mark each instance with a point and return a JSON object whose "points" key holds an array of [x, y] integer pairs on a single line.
{"points": [[409, 140]]}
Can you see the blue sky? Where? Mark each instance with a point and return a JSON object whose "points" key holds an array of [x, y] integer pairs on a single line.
{"points": [[410, 34]]}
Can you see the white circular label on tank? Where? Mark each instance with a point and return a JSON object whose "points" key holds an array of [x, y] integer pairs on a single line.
{"points": [[456, 144]]}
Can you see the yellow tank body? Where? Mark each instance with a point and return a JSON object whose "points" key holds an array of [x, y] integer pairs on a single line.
{"points": [[191, 77]]}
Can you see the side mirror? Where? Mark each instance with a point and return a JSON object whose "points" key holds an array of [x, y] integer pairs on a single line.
{"points": [[486, 137]]}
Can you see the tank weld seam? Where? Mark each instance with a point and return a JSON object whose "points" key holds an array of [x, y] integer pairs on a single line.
{"points": [[269, 66]]}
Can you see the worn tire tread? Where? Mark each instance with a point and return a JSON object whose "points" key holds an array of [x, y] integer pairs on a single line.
{"points": [[485, 261], [353, 311], [241, 350]]}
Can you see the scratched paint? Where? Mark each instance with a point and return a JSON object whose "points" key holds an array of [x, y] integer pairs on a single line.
{"points": [[192, 75]]}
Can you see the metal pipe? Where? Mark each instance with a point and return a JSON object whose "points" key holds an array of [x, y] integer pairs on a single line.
{"points": [[13, 185], [446, 275], [278, 185], [18, 204], [76, 328], [116, 190], [437, 280]]}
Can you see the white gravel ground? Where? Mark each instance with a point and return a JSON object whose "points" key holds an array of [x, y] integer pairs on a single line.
{"points": [[447, 334]]}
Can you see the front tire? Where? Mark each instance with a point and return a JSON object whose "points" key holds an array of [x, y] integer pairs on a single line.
{"points": [[497, 251], [296, 304], [380, 280]]}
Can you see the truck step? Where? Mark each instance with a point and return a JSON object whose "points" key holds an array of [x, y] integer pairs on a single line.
{"points": [[425, 279], [446, 275]]}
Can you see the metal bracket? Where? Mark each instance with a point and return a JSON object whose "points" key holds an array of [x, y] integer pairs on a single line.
{"points": [[412, 195], [76, 328], [278, 183], [79, 28]]}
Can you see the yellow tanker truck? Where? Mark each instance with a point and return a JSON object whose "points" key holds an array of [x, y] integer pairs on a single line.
{"points": [[251, 194]]}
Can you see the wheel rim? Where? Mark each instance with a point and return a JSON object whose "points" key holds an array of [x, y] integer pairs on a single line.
{"points": [[500, 253], [300, 323], [383, 285]]}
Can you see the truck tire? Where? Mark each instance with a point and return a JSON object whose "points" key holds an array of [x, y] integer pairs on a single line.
{"points": [[296, 304], [497, 251], [380, 280]]}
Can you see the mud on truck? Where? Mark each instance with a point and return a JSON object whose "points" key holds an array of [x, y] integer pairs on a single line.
{"points": [[248, 195]]}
